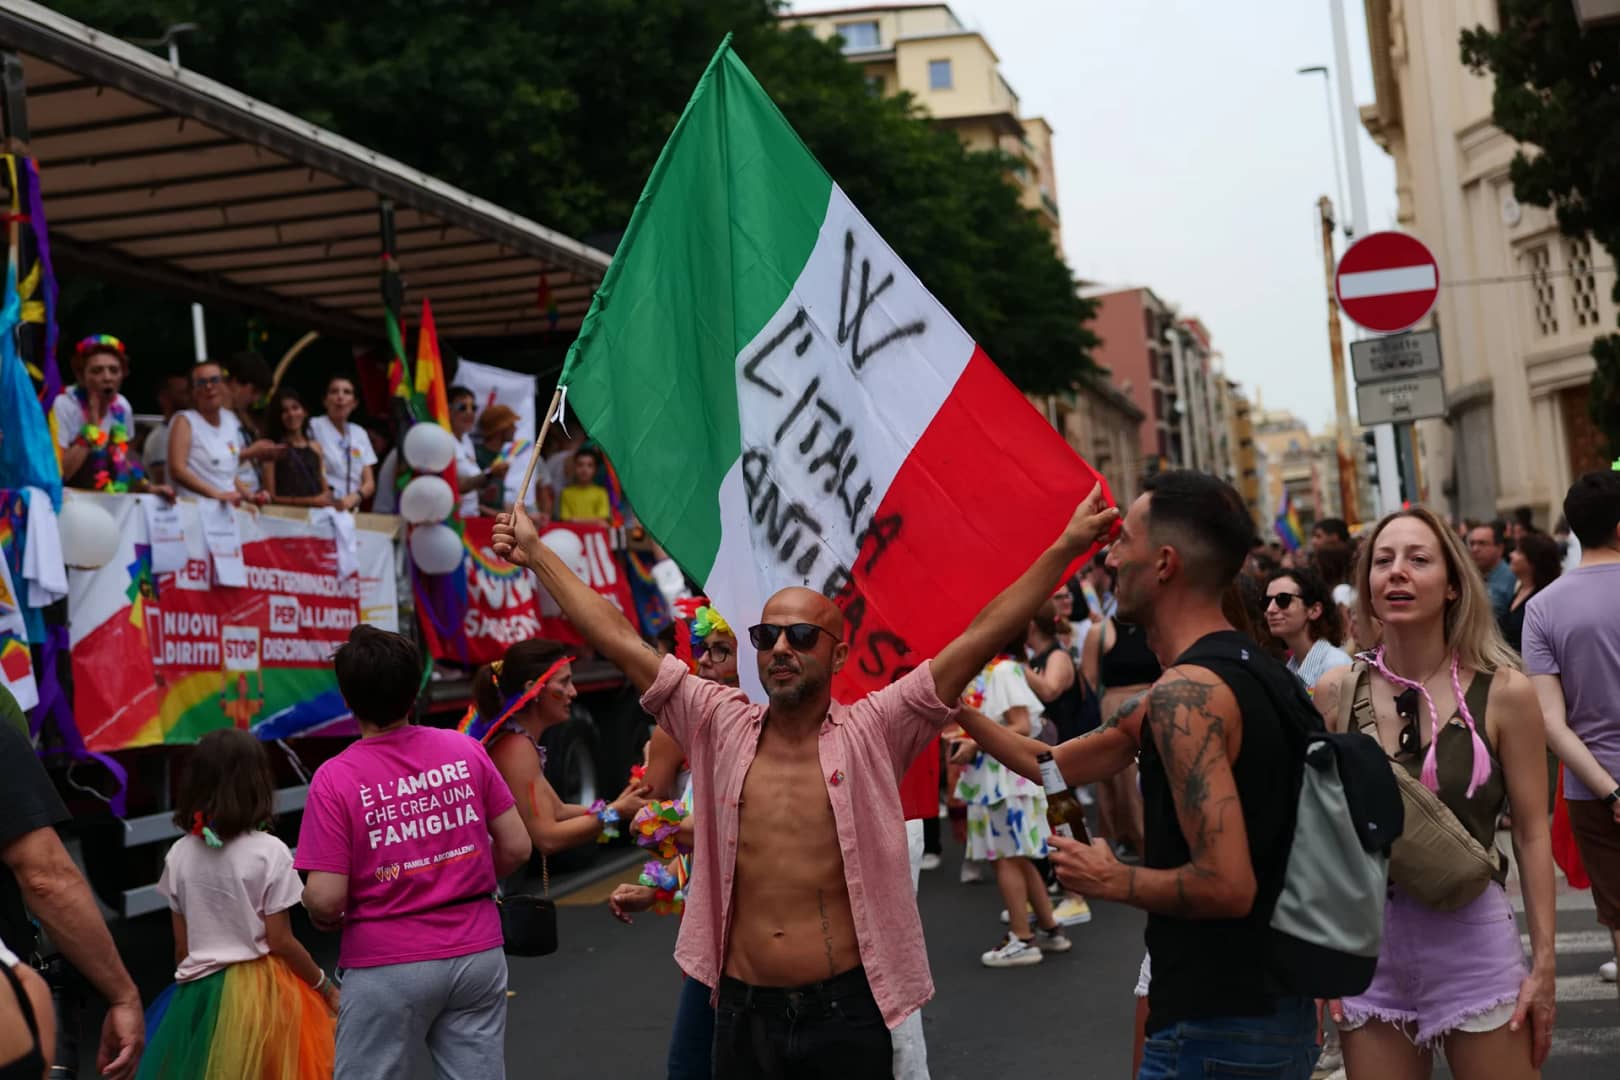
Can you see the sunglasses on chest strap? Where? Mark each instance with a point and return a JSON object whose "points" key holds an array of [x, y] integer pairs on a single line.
{"points": [[1406, 707]]}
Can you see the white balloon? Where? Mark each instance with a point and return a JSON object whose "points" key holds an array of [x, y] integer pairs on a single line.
{"points": [[428, 447], [436, 549], [425, 499], [571, 550], [89, 535]]}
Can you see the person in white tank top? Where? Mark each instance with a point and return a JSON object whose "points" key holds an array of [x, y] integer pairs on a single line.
{"points": [[205, 449], [345, 446]]}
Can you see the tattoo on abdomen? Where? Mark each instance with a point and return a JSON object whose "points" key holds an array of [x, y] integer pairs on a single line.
{"points": [[826, 932]]}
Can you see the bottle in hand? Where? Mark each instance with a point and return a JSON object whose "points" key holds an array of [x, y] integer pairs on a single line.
{"points": [[1063, 811]]}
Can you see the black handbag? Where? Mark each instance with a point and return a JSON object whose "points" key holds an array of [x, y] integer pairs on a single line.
{"points": [[529, 923]]}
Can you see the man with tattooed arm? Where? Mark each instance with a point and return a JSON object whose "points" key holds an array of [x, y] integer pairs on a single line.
{"points": [[801, 912], [1218, 814]]}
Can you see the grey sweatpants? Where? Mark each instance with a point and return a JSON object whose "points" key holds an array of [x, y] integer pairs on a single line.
{"points": [[456, 1006]]}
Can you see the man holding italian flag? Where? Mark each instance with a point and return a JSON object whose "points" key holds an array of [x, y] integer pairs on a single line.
{"points": [[811, 436]]}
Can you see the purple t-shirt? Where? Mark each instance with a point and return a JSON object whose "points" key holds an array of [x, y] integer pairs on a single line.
{"points": [[1570, 630], [405, 815]]}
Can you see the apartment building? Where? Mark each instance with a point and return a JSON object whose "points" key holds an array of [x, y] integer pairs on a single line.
{"points": [[1523, 302], [952, 71]]}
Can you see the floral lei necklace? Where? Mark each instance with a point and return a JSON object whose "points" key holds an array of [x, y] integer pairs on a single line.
{"points": [[109, 447]]}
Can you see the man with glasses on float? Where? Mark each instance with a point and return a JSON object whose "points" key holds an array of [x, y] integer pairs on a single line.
{"points": [[814, 946]]}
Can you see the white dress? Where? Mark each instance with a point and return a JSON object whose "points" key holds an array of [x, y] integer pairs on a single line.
{"points": [[346, 454], [1006, 812], [216, 449]]}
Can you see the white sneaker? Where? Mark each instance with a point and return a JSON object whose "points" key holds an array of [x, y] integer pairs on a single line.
{"points": [[1072, 911], [1053, 940], [929, 861], [972, 872], [1607, 971], [1011, 953]]}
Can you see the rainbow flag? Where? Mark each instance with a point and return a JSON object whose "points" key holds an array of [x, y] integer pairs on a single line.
{"points": [[430, 386], [1289, 530]]}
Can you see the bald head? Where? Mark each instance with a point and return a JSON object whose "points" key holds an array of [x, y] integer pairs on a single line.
{"points": [[796, 604]]}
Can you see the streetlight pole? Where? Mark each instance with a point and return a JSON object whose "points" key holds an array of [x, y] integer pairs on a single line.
{"points": [[1333, 140], [1384, 435], [1349, 500]]}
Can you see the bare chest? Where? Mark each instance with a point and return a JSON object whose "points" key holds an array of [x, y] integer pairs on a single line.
{"points": [[785, 802]]}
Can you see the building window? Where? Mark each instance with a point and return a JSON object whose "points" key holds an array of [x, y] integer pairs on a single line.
{"points": [[939, 74], [1542, 298], [874, 85], [860, 36], [1582, 281]]}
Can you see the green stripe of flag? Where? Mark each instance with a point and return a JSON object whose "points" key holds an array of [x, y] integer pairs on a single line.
{"points": [[725, 224]]}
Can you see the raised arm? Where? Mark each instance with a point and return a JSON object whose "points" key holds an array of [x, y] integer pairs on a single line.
{"points": [[1194, 720], [598, 621], [1010, 612]]}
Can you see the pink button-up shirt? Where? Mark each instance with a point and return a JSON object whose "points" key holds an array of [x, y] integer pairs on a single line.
{"points": [[864, 748]]}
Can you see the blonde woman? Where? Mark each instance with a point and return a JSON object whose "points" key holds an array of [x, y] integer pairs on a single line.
{"points": [[1452, 708]]}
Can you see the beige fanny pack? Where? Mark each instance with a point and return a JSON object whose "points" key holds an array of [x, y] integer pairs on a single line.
{"points": [[1436, 861]]}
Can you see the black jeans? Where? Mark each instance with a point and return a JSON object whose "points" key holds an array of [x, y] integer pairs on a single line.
{"points": [[830, 1029]]}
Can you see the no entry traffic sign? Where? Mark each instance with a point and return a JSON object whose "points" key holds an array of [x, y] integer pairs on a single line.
{"points": [[1387, 282]]}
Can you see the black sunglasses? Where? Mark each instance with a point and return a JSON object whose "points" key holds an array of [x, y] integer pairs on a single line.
{"points": [[801, 636], [1282, 599], [464, 406], [208, 380], [1406, 707]]}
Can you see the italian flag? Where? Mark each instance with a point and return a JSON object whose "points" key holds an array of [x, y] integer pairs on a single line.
{"points": [[786, 404]]}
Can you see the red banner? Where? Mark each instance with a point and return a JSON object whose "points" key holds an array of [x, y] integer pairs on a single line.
{"points": [[472, 619], [585, 547]]}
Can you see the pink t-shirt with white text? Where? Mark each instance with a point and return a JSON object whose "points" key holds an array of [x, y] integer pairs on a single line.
{"points": [[405, 815]]}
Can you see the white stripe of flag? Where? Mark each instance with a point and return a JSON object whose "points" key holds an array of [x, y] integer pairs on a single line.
{"points": [[1400, 279]]}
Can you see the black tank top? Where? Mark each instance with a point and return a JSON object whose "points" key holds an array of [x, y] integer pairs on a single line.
{"points": [[1129, 662], [31, 1065], [1063, 710], [1204, 968]]}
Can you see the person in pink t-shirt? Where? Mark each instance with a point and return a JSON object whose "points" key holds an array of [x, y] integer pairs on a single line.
{"points": [[800, 910], [404, 837]]}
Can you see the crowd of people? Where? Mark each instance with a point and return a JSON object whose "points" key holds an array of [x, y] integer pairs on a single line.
{"points": [[229, 432], [1148, 679]]}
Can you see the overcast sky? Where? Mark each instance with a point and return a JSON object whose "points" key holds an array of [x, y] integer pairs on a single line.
{"points": [[1190, 156]]}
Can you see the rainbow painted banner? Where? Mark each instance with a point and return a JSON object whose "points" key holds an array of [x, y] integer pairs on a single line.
{"points": [[166, 659]]}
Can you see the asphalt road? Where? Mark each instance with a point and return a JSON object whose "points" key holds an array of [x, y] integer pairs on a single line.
{"points": [[602, 1006]]}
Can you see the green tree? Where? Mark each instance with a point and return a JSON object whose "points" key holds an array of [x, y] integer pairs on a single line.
{"points": [[558, 111], [1558, 91]]}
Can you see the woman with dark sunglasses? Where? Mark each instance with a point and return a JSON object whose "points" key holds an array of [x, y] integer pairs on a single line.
{"points": [[1444, 697], [1302, 615]]}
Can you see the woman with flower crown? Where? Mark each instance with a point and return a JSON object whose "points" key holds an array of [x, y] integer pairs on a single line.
{"points": [[94, 423], [1444, 697]]}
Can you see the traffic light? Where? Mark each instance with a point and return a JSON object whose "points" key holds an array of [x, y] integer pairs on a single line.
{"points": [[1369, 458]]}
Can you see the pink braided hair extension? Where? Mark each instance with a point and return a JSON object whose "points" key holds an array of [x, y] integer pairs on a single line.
{"points": [[1431, 775]]}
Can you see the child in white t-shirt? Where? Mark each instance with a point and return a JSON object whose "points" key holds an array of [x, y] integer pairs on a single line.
{"points": [[248, 1000]]}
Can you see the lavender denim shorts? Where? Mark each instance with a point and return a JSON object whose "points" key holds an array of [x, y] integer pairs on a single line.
{"points": [[1443, 971]]}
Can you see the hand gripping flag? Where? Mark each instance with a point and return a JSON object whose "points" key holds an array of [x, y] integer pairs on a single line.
{"points": [[786, 404]]}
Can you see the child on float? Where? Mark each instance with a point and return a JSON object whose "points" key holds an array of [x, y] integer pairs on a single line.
{"points": [[247, 1001]]}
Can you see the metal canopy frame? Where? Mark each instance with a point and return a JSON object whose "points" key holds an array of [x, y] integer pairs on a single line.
{"points": [[157, 176]]}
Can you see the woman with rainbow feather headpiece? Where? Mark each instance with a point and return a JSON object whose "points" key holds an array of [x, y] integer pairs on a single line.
{"points": [[709, 645]]}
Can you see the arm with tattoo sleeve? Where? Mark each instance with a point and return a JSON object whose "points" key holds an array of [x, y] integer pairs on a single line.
{"points": [[1194, 720]]}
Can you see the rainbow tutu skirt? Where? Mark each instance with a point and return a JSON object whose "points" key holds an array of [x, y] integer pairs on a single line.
{"points": [[252, 1021]]}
